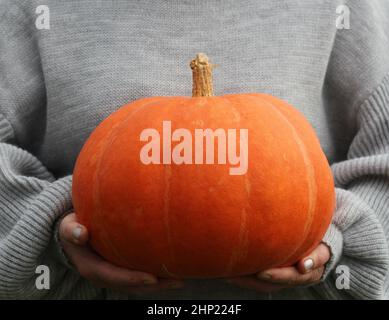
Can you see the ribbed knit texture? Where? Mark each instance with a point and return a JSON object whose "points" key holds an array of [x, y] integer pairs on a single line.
{"points": [[56, 86]]}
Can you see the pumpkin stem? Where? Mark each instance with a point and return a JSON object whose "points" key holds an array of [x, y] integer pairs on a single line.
{"points": [[202, 76]]}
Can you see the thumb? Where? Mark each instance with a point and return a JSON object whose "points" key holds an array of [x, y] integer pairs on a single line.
{"points": [[72, 231], [317, 259]]}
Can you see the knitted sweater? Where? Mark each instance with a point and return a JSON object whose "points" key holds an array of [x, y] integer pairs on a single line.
{"points": [[58, 84]]}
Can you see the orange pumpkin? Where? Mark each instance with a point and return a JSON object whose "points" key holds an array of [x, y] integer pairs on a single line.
{"points": [[199, 220]]}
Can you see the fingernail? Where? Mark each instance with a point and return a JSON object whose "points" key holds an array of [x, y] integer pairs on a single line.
{"points": [[149, 281], [308, 264], [264, 275], [77, 232]]}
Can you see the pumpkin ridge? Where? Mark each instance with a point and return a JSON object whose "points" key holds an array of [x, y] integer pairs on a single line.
{"points": [[96, 186], [240, 252], [166, 207], [166, 210], [312, 188], [285, 108]]}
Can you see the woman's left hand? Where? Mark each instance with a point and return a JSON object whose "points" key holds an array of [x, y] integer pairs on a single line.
{"points": [[307, 271]]}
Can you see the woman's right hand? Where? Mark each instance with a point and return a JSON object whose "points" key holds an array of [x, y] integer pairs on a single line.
{"points": [[74, 240]]}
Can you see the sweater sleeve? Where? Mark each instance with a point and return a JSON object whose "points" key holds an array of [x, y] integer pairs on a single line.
{"points": [[31, 198], [356, 95], [359, 234], [30, 202]]}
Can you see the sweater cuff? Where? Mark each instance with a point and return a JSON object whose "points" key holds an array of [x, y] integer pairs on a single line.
{"points": [[55, 246], [358, 242], [58, 250], [334, 240]]}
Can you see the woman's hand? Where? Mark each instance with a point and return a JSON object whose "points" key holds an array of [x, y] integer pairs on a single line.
{"points": [[74, 239], [307, 271]]}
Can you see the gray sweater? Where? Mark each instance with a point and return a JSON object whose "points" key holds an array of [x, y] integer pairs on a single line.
{"points": [[57, 85]]}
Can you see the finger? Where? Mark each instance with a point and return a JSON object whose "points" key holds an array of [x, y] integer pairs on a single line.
{"points": [[317, 259], [108, 275], [163, 284], [72, 231], [255, 284], [102, 273], [290, 276]]}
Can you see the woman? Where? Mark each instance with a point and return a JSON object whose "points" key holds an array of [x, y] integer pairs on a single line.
{"points": [[58, 84]]}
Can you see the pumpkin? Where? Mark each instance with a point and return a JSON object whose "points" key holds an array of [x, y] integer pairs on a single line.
{"points": [[188, 219]]}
